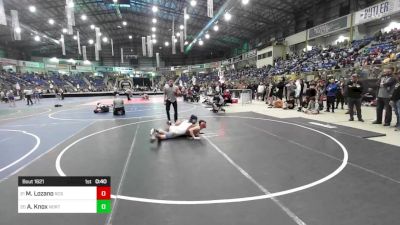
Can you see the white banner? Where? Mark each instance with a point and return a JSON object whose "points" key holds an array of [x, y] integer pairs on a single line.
{"points": [[3, 17], [84, 53], [79, 42], [210, 8], [376, 11], [185, 23], [144, 46], [122, 55], [158, 59], [15, 25], [98, 41], [181, 41], [63, 44], [96, 53], [173, 45], [69, 12], [112, 47], [149, 47]]}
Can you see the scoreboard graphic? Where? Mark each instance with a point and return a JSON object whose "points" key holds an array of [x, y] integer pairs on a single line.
{"points": [[64, 195]]}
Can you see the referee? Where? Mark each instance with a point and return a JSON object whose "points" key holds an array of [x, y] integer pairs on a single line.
{"points": [[170, 93]]}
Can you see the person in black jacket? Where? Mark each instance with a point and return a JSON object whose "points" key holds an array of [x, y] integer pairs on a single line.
{"points": [[395, 101], [354, 93]]}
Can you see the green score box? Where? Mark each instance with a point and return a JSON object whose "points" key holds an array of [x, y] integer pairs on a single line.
{"points": [[103, 206]]}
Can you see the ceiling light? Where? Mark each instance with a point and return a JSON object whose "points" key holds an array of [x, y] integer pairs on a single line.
{"points": [[37, 38], [105, 39], [245, 2], [153, 36], [201, 42], [186, 42], [87, 62], [18, 30], [153, 29], [91, 42], [57, 41], [100, 34], [175, 40], [75, 37], [32, 8], [51, 21], [92, 27], [227, 16], [178, 34], [166, 43], [64, 30], [181, 27], [71, 4], [154, 20], [154, 8], [215, 28], [130, 36], [54, 59], [193, 3], [115, 1], [71, 61], [154, 41], [83, 17], [187, 17], [124, 23], [207, 36]]}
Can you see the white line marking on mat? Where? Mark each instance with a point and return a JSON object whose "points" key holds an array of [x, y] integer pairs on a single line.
{"points": [[293, 216], [220, 201], [322, 125], [119, 189], [325, 154], [27, 154], [44, 153]]}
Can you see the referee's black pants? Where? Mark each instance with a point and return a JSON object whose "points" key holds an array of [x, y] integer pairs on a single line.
{"points": [[168, 107]]}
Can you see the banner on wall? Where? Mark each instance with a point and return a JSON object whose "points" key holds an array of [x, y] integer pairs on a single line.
{"points": [[30, 64], [376, 11], [329, 27]]}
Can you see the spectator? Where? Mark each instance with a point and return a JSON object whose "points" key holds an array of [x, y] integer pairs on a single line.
{"points": [[355, 88], [331, 90], [386, 87], [395, 102], [339, 93]]}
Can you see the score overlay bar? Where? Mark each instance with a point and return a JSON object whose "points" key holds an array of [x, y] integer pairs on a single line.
{"points": [[64, 195]]}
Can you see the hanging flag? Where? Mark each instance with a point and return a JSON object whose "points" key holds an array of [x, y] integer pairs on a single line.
{"points": [[69, 12], [122, 55], [79, 42], [63, 44], [210, 8], [158, 59], [173, 45], [149, 52], [96, 53], [112, 47], [3, 17], [185, 23], [173, 25], [98, 41], [181, 41], [15, 25], [144, 46], [84, 53]]}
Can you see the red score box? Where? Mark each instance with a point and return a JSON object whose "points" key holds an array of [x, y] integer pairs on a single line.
{"points": [[103, 193]]}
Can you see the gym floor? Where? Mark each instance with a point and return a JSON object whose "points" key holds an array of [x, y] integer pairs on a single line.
{"points": [[247, 169]]}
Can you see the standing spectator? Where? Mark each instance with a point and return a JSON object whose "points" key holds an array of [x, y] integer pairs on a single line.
{"points": [[260, 91], [355, 89], [331, 90], [395, 100], [386, 87], [11, 98], [340, 93], [280, 86], [170, 93]]}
